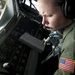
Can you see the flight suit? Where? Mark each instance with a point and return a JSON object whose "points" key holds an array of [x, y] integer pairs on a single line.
{"points": [[66, 64]]}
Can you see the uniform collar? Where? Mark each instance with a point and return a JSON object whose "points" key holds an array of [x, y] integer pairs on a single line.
{"points": [[68, 29]]}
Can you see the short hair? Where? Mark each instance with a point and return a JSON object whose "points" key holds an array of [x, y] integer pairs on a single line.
{"points": [[56, 2]]}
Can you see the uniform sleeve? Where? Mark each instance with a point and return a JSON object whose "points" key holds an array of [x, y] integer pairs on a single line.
{"points": [[66, 64], [62, 72]]}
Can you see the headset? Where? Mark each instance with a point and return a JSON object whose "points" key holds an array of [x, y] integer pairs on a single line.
{"points": [[68, 8]]}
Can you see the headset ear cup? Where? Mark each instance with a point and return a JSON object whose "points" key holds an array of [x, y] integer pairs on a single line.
{"points": [[68, 8], [65, 8]]}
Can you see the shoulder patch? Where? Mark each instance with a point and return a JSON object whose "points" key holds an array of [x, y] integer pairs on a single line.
{"points": [[67, 64]]}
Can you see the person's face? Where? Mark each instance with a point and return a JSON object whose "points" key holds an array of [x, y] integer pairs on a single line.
{"points": [[52, 16]]}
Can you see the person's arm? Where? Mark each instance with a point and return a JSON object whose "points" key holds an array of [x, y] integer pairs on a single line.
{"points": [[67, 59]]}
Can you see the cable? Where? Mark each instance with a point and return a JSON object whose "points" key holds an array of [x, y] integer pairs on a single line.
{"points": [[28, 11]]}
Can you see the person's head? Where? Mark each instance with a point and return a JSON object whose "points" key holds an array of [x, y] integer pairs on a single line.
{"points": [[52, 14]]}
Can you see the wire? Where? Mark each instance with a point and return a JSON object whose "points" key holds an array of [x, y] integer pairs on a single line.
{"points": [[29, 12], [50, 55]]}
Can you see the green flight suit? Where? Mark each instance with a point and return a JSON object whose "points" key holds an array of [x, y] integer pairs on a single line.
{"points": [[68, 49]]}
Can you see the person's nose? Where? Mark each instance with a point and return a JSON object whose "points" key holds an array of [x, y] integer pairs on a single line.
{"points": [[44, 20]]}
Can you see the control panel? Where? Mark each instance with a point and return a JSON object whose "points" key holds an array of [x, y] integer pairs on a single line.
{"points": [[12, 51]]}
